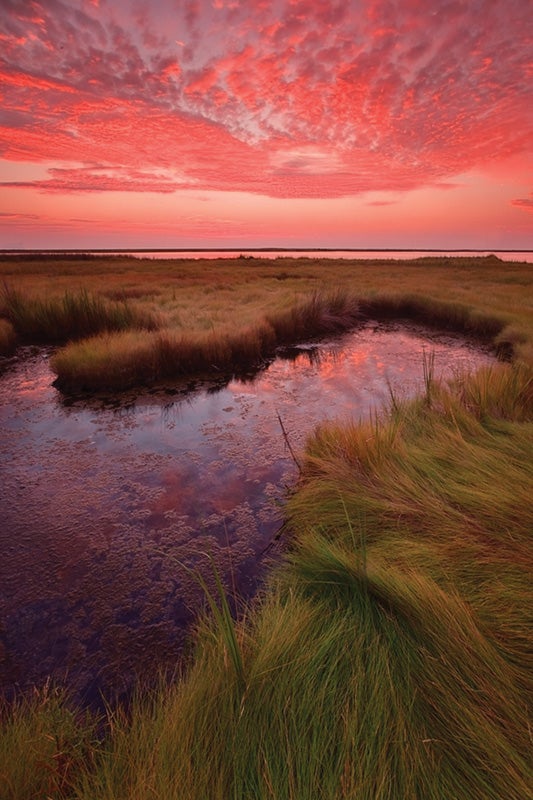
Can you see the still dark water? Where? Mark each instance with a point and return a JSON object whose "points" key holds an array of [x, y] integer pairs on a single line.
{"points": [[103, 501]]}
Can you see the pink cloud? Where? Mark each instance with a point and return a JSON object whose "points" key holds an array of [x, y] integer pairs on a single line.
{"points": [[203, 82], [296, 99], [101, 178], [524, 202], [17, 217]]}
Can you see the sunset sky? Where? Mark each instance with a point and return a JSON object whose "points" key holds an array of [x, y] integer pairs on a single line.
{"points": [[289, 123]]}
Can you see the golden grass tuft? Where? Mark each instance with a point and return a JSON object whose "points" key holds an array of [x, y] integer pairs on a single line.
{"points": [[74, 315]]}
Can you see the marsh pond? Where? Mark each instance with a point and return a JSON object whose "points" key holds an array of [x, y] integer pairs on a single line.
{"points": [[107, 504]]}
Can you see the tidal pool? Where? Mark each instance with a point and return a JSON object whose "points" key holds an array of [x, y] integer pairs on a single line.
{"points": [[106, 504]]}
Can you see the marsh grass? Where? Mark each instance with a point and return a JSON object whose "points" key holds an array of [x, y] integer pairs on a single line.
{"points": [[135, 358], [221, 614], [125, 359], [8, 338], [45, 746], [323, 312], [74, 315], [129, 359], [496, 392], [230, 315], [433, 312]]}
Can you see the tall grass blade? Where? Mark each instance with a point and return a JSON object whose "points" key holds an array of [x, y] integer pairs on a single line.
{"points": [[428, 368], [222, 616]]}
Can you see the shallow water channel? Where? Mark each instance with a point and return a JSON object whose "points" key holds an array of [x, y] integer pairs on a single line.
{"points": [[103, 501]]}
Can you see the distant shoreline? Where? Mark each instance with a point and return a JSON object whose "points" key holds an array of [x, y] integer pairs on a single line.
{"points": [[13, 250]]}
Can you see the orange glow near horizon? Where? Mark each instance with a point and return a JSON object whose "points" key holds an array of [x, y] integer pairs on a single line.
{"points": [[292, 123]]}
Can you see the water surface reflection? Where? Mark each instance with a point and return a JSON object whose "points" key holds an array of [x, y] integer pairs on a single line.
{"points": [[103, 500]]}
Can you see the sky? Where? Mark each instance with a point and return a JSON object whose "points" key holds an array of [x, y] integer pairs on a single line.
{"points": [[266, 123]]}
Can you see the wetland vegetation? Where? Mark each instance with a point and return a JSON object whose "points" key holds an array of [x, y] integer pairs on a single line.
{"points": [[131, 322], [389, 655]]}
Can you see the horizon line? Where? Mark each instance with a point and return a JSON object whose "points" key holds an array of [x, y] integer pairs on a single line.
{"points": [[262, 250]]}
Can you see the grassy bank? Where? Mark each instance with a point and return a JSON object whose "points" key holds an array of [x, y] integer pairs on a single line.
{"points": [[388, 658], [134, 358], [71, 316], [136, 322]]}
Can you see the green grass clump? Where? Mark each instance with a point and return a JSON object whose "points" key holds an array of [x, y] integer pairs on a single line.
{"points": [[45, 747], [319, 314], [74, 315]]}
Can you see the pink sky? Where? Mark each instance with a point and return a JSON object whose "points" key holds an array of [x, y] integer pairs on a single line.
{"points": [[289, 123]]}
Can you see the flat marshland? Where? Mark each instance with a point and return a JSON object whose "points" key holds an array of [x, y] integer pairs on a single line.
{"points": [[125, 322], [389, 655]]}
